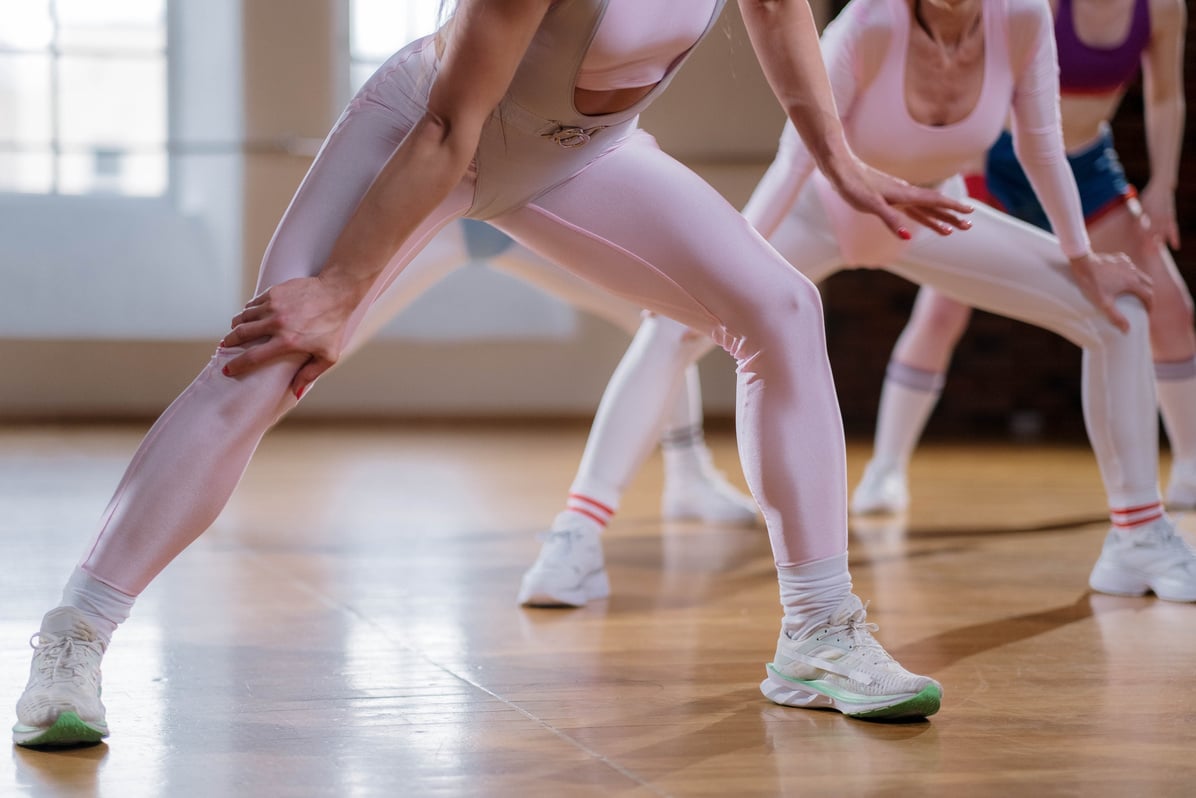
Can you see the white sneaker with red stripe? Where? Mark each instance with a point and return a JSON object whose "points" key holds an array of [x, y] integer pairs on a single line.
{"points": [[1150, 558], [570, 569]]}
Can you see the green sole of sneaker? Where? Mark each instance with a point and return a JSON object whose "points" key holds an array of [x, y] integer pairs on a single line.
{"points": [[923, 705], [69, 730]]}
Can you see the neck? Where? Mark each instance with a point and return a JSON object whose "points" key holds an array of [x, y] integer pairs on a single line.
{"points": [[947, 21]]}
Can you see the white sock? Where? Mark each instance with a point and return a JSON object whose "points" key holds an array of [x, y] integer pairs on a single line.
{"points": [[906, 402], [104, 607], [585, 512], [810, 592], [1176, 385], [683, 449]]}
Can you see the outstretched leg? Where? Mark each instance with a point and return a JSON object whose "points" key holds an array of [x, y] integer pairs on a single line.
{"points": [[188, 464]]}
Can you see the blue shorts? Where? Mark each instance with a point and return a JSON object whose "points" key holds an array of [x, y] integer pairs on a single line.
{"points": [[1098, 172]]}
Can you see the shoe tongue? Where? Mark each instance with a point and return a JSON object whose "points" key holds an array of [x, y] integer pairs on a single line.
{"points": [[67, 621], [847, 608]]}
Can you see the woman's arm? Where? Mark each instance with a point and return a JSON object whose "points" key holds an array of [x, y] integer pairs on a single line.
{"points": [[1038, 142], [486, 41], [1163, 79], [785, 39]]}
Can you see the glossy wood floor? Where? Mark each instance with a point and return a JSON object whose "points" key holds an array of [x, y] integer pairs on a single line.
{"points": [[348, 628]]}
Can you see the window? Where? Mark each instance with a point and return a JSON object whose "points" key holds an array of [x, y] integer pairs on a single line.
{"points": [[377, 28], [83, 84]]}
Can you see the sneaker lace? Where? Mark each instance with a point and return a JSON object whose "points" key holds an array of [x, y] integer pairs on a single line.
{"points": [[558, 543], [65, 658]]}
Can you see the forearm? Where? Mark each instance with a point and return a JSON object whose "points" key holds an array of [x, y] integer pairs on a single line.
{"points": [[417, 177], [785, 39], [1164, 139]]}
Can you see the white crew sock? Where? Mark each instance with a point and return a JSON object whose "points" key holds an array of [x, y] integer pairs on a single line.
{"points": [[104, 607], [1175, 383], [810, 592], [906, 402]]}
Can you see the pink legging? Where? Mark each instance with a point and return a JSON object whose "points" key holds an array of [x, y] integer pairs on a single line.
{"points": [[635, 222]]}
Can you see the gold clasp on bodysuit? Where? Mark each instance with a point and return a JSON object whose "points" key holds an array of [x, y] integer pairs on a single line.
{"points": [[570, 137]]}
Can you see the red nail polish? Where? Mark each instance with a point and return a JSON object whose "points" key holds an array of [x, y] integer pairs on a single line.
{"points": [[226, 372], [299, 392], [905, 234]]}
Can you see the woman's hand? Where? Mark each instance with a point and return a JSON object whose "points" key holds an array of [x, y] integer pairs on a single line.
{"points": [[872, 191], [1158, 214], [1103, 278], [304, 316]]}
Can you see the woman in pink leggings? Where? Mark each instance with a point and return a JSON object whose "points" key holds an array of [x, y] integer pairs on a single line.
{"points": [[1101, 47], [923, 90], [523, 112]]}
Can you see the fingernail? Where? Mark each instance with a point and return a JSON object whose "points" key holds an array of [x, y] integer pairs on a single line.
{"points": [[299, 392], [905, 234], [226, 372]]}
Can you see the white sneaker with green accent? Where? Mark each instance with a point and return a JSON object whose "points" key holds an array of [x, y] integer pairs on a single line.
{"points": [[841, 666], [569, 571], [1150, 560], [61, 704], [880, 492]]}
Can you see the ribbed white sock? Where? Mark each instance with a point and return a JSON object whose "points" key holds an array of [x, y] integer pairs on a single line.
{"points": [[906, 402], [104, 607], [1175, 383], [810, 592]]}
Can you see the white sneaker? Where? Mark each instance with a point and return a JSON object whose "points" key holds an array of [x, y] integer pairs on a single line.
{"points": [[570, 569], [1181, 488], [61, 705], [880, 492], [697, 491], [1150, 560], [841, 666]]}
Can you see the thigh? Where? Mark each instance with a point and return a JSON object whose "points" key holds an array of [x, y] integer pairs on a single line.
{"points": [[1008, 267], [643, 226]]}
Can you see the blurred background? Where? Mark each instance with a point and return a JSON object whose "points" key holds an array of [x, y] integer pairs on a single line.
{"points": [[148, 148]]}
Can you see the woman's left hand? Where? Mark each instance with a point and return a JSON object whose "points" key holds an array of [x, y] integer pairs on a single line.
{"points": [[303, 316], [1103, 278], [1158, 214]]}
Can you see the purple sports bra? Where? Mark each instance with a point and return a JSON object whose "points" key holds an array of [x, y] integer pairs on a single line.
{"points": [[1084, 69]]}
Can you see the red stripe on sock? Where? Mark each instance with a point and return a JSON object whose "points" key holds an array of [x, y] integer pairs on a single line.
{"points": [[1138, 523], [583, 498], [582, 511], [1128, 510]]}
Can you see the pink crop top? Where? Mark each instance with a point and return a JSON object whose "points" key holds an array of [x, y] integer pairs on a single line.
{"points": [[1085, 69], [638, 40], [881, 132]]}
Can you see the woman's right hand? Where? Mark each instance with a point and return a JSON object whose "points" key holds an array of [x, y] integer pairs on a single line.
{"points": [[895, 201], [1103, 278]]}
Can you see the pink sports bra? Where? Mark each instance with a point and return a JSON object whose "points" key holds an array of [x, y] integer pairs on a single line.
{"points": [[638, 40], [1084, 69]]}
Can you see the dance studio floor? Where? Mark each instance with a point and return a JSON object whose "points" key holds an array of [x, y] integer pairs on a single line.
{"points": [[348, 628]]}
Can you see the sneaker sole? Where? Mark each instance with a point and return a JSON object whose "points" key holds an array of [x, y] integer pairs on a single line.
{"points": [[68, 730], [810, 695], [1113, 583], [594, 587]]}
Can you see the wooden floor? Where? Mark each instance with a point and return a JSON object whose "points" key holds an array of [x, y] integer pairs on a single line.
{"points": [[348, 628]]}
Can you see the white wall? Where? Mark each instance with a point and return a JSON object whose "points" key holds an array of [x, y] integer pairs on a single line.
{"points": [[248, 86]]}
